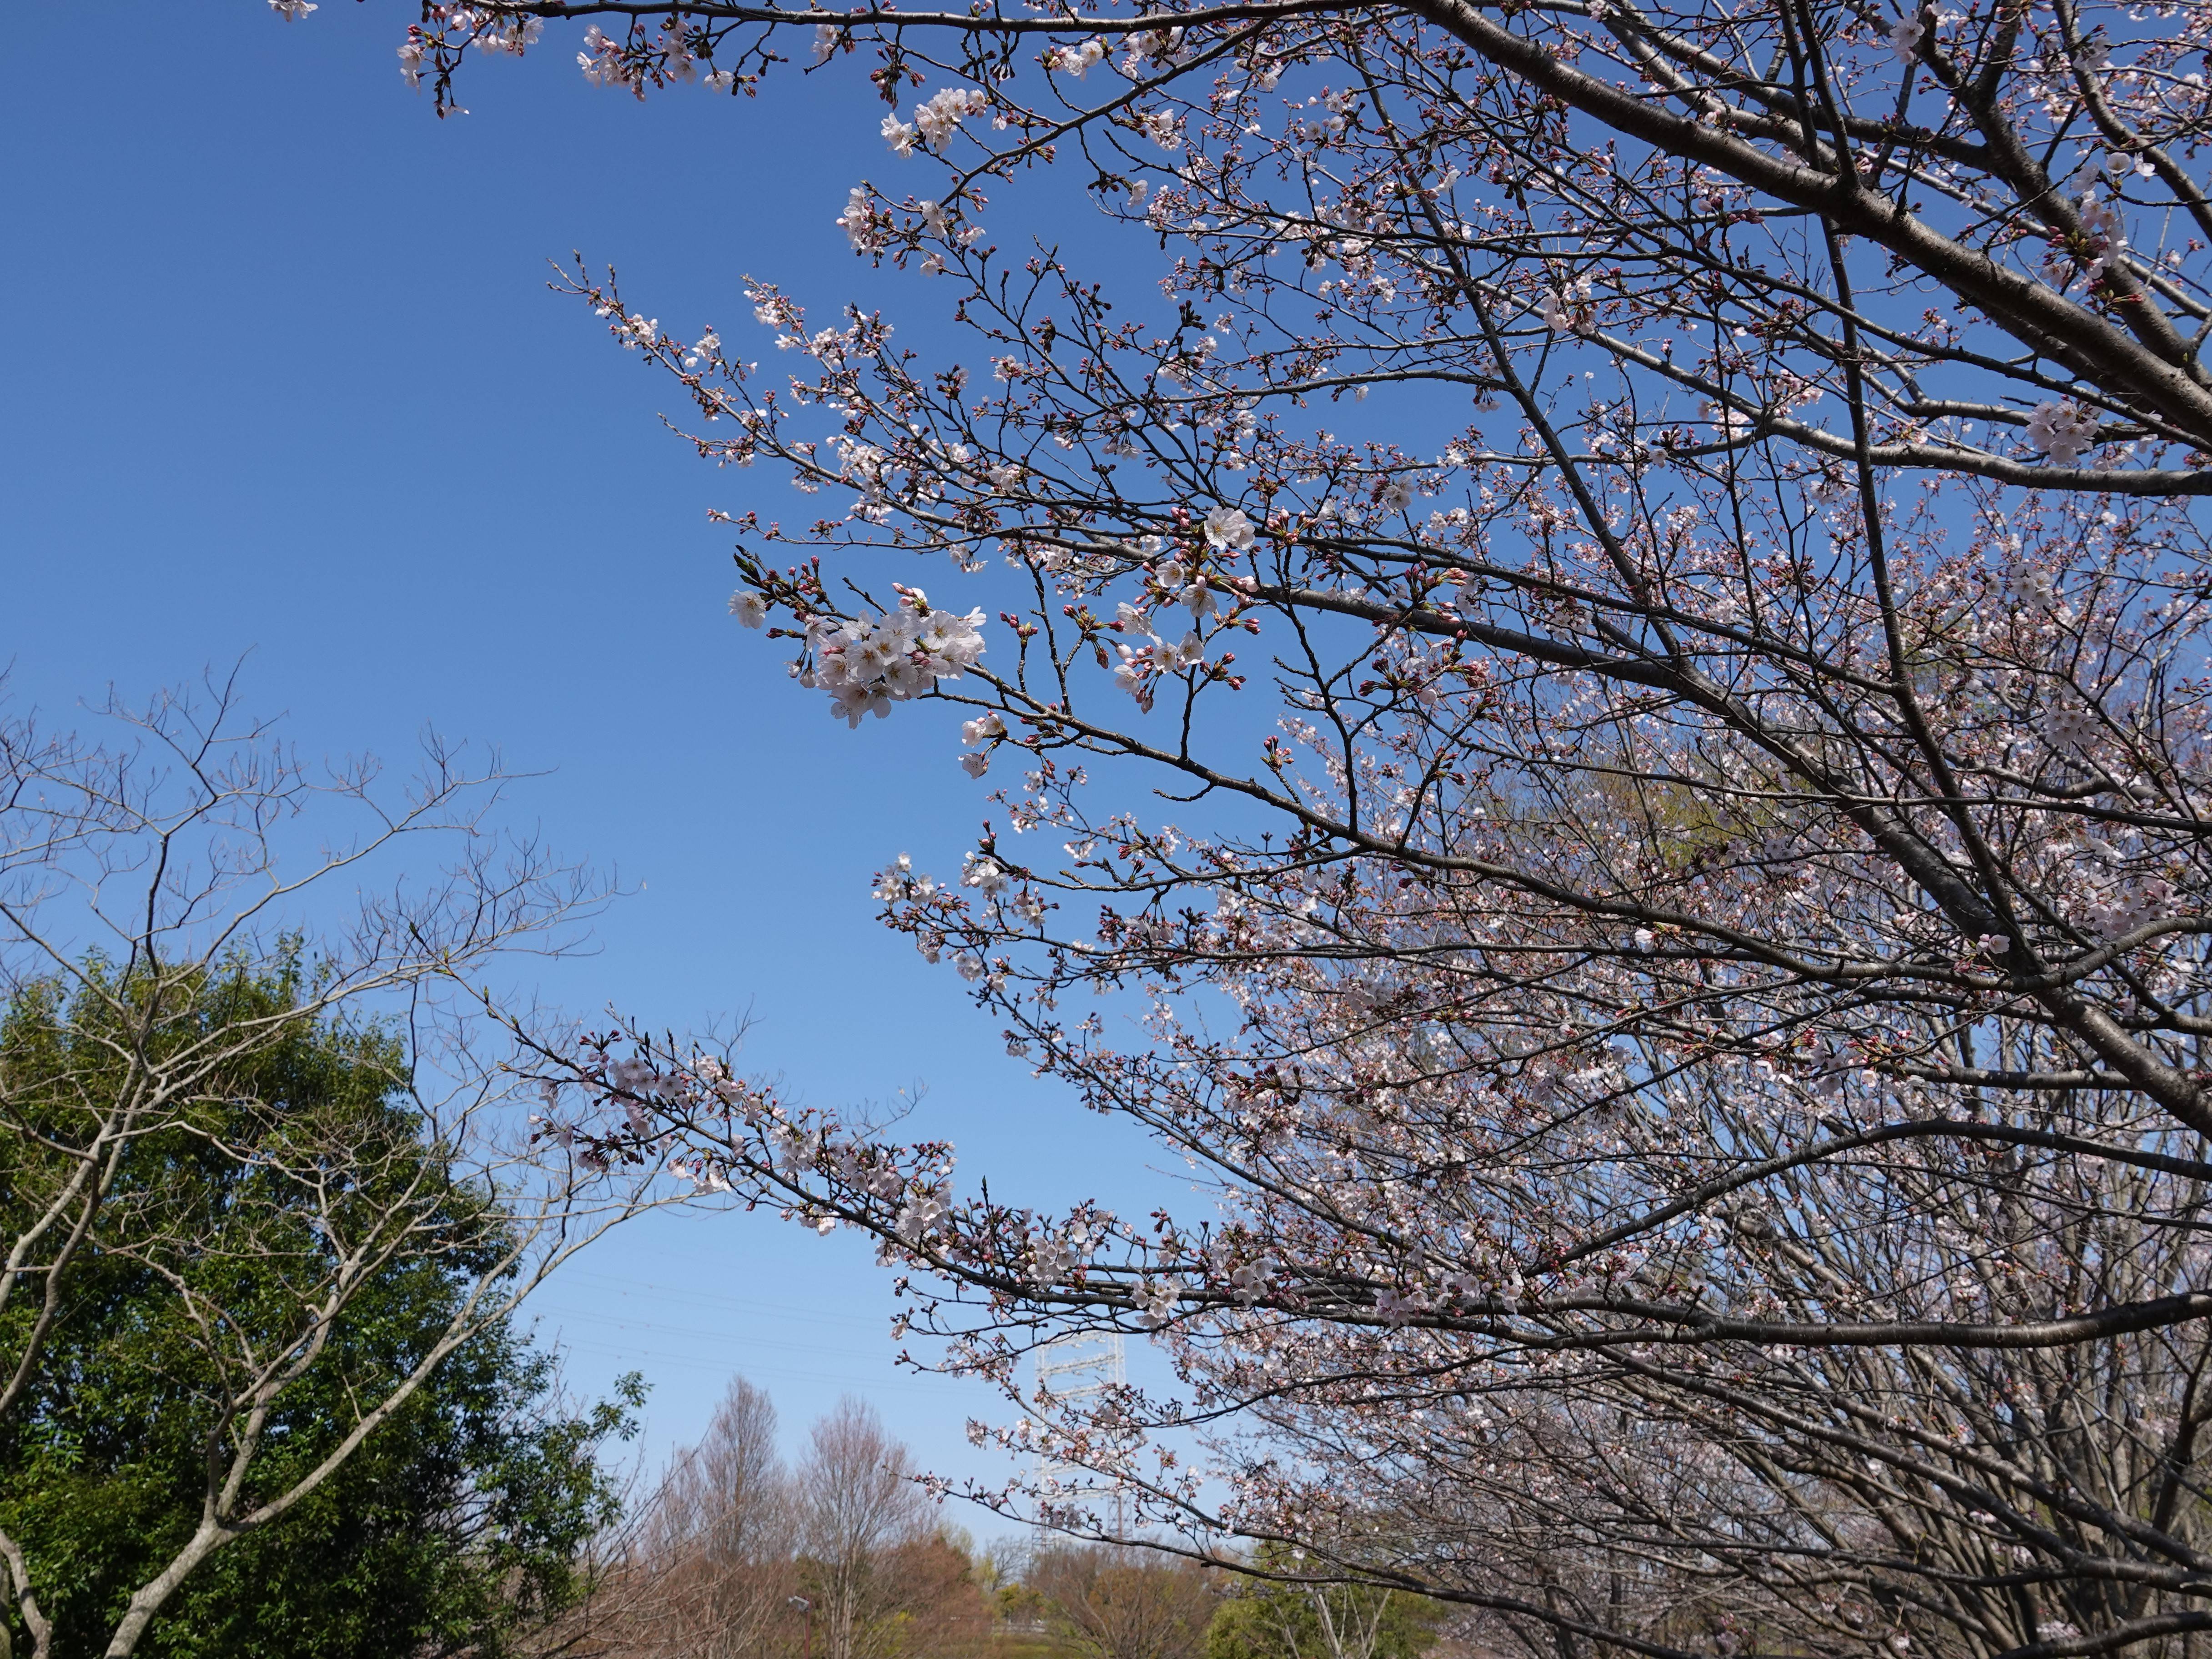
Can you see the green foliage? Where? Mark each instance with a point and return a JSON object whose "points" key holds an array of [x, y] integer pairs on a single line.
{"points": [[1263, 1618], [454, 1525]]}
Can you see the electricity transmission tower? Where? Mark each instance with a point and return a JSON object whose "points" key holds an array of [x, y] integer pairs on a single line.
{"points": [[1079, 1366]]}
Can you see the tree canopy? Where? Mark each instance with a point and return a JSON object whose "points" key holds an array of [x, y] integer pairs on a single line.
{"points": [[456, 1525], [1612, 646], [1277, 1614]]}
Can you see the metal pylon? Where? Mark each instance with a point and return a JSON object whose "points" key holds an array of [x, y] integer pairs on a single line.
{"points": [[1079, 1366]]}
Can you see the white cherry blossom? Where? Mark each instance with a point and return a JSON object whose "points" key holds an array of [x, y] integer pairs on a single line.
{"points": [[982, 870], [1228, 528], [867, 663], [601, 60], [935, 121], [1077, 60], [859, 223], [2062, 430], [1157, 1300]]}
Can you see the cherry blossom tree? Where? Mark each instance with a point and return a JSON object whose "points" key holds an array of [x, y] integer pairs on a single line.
{"points": [[1650, 557]]}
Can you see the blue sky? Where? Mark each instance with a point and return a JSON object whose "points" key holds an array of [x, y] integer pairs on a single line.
{"points": [[284, 380]]}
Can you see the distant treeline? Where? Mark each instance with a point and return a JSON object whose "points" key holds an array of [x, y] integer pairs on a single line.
{"points": [[736, 1555]]}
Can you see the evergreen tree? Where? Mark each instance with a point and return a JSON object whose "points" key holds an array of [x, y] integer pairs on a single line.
{"points": [[454, 1527]]}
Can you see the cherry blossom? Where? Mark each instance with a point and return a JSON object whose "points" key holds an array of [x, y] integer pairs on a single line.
{"points": [[1227, 527], [1077, 59], [2063, 431], [1579, 740], [858, 221], [602, 61], [934, 122], [867, 663]]}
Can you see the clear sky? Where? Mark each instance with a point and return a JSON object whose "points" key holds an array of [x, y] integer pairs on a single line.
{"points": [[283, 377]]}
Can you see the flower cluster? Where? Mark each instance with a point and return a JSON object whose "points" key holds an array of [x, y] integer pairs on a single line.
{"points": [[512, 36], [1228, 528], [604, 62], [2063, 431], [446, 28], [934, 122], [1077, 60], [1156, 1301], [1568, 308], [868, 663], [981, 870], [918, 1216], [1162, 127], [1140, 667], [1152, 47], [860, 221], [986, 730]]}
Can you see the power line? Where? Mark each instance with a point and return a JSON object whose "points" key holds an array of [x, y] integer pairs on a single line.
{"points": [[689, 1297], [723, 1368]]}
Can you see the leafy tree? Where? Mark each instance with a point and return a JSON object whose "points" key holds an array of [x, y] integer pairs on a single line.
{"points": [[248, 1218], [1285, 1615], [455, 1526]]}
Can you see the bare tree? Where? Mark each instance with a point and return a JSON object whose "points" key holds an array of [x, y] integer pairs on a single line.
{"points": [[717, 1545], [711, 1567], [935, 1601], [730, 1496], [858, 1502], [141, 900], [1110, 1601]]}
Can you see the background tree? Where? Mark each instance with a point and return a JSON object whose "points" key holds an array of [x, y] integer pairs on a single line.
{"points": [[263, 1191], [1117, 1602], [858, 1504], [710, 1564], [938, 1607], [1713, 901], [1281, 1617], [710, 1570], [456, 1528]]}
